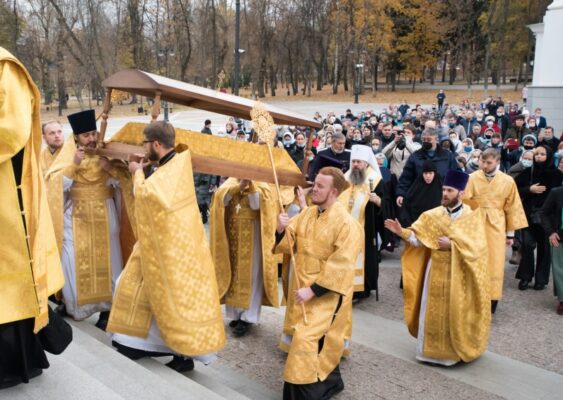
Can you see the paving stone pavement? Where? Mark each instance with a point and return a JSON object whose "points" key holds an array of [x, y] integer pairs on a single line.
{"points": [[525, 328]]}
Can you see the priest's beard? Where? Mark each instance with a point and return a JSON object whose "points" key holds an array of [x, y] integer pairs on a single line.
{"points": [[451, 202], [152, 154], [358, 176]]}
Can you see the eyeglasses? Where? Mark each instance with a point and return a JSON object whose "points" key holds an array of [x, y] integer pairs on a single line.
{"points": [[148, 141]]}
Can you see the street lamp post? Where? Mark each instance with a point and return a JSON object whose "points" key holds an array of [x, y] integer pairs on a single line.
{"points": [[357, 83], [166, 52], [237, 48]]}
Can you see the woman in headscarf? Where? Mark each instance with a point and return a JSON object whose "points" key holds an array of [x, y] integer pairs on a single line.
{"points": [[534, 185], [424, 194]]}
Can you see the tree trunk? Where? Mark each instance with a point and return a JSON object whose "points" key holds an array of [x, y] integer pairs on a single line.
{"points": [[444, 68], [61, 86], [518, 77], [336, 49], [272, 81], [214, 49], [261, 79], [453, 71], [320, 76], [375, 71], [502, 31], [394, 76], [345, 76], [486, 69]]}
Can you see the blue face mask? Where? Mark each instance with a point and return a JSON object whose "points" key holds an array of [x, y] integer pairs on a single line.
{"points": [[467, 149], [451, 124], [526, 163]]}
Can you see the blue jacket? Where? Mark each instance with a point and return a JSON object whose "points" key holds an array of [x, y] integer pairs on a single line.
{"points": [[443, 160]]}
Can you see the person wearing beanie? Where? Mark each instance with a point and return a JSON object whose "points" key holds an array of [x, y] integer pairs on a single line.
{"points": [[497, 195], [519, 129], [490, 123], [445, 255], [511, 157]]}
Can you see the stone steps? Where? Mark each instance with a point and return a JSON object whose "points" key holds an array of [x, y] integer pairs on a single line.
{"points": [[89, 369], [221, 381]]}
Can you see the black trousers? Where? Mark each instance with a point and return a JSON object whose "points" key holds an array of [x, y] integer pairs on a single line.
{"points": [[534, 237], [20, 351], [315, 391]]}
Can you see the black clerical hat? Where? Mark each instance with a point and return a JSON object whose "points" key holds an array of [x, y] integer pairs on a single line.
{"points": [[83, 121], [456, 179]]}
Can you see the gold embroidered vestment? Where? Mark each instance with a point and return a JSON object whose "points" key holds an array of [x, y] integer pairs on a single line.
{"points": [[458, 310], [326, 247]]}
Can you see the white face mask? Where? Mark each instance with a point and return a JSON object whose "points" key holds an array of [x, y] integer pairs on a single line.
{"points": [[490, 123]]}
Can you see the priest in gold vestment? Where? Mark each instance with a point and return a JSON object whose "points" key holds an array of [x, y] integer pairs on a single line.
{"points": [[54, 140], [326, 241], [87, 197], [447, 303], [166, 301], [496, 194], [242, 233], [30, 268]]}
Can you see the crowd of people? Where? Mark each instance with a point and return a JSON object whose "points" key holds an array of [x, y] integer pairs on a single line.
{"points": [[415, 146], [126, 240]]}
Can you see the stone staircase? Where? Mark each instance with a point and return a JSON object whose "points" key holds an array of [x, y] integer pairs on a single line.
{"points": [[91, 369], [382, 366]]}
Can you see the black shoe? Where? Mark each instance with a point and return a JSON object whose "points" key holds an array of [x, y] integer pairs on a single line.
{"points": [[136, 354], [523, 285], [539, 286], [61, 310], [339, 387], [103, 320], [181, 364], [234, 323], [241, 329]]}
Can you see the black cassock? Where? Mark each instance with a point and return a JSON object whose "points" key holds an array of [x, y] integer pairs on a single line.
{"points": [[21, 354], [373, 225]]}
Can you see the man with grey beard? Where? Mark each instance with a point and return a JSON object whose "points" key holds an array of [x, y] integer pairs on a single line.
{"points": [[336, 155], [366, 201]]}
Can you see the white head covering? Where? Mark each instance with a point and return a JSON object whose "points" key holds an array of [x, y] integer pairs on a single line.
{"points": [[364, 153]]}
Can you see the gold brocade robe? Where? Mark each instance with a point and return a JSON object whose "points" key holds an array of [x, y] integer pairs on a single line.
{"points": [[355, 199], [503, 210], [30, 267], [47, 158], [170, 274], [90, 222], [326, 247], [458, 308], [231, 235]]}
